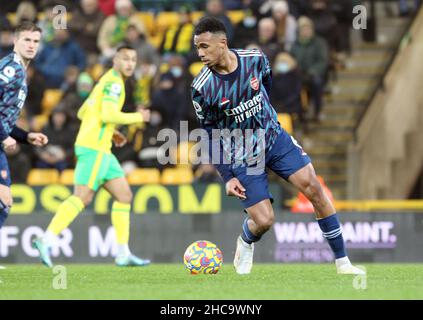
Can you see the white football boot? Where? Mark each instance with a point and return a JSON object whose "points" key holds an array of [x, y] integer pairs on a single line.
{"points": [[344, 266], [243, 260]]}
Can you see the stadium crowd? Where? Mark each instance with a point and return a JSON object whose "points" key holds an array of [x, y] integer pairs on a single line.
{"points": [[306, 41]]}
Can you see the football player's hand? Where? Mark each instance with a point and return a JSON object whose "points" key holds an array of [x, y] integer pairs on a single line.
{"points": [[235, 188], [145, 114], [37, 139], [5, 196], [9, 144], [119, 139]]}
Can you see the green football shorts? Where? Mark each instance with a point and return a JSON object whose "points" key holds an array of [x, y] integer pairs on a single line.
{"points": [[94, 168]]}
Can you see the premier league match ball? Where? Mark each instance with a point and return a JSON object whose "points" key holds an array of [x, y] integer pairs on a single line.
{"points": [[203, 257]]}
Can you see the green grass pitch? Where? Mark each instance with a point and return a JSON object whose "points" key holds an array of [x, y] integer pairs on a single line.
{"points": [[172, 281]]}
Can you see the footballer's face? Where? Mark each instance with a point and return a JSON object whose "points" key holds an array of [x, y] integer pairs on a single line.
{"points": [[125, 62], [26, 44], [210, 47]]}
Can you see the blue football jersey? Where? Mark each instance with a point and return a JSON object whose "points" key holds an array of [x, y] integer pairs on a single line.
{"points": [[13, 92], [240, 102]]}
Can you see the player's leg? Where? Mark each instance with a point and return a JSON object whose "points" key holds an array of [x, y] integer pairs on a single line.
{"points": [[70, 209], [6, 199], [260, 217], [118, 187], [65, 214], [288, 160], [306, 181], [259, 221], [5, 203], [88, 172]]}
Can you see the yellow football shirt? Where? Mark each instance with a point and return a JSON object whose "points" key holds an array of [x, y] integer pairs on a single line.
{"points": [[101, 112]]}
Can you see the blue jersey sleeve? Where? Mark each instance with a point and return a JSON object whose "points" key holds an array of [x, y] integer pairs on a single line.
{"points": [[11, 78], [266, 72], [207, 122], [19, 135]]}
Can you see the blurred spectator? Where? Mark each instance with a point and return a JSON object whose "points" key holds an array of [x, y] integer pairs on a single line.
{"points": [[286, 25], [19, 163], [36, 89], [46, 23], [107, 7], [311, 53], [324, 20], [6, 37], [71, 76], [144, 75], [26, 11], [286, 88], [57, 56], [74, 97], [232, 4], [146, 53], [343, 10], [113, 30], [246, 30], [298, 7], [68, 4], [404, 9], [85, 25], [216, 9], [58, 154], [169, 102], [178, 39], [267, 38]]}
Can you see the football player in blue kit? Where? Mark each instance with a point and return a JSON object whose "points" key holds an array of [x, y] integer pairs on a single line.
{"points": [[231, 94], [13, 92]]}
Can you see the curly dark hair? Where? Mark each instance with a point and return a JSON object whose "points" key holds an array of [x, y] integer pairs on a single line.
{"points": [[209, 24]]}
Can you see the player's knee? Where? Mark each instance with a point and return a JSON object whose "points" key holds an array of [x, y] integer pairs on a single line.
{"points": [[314, 192], [85, 198], [125, 197], [265, 222]]}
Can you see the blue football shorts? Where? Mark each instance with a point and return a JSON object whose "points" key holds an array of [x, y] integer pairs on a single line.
{"points": [[4, 170], [285, 158]]}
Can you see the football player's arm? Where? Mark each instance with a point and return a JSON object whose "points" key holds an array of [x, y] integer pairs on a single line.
{"points": [[81, 111], [11, 78], [109, 107], [202, 112], [266, 74], [19, 135]]}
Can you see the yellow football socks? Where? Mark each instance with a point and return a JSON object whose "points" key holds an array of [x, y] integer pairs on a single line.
{"points": [[66, 213], [120, 221]]}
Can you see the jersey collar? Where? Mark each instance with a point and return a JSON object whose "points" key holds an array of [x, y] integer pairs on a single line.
{"points": [[232, 75]]}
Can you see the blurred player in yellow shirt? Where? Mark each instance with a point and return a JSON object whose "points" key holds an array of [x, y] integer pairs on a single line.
{"points": [[96, 166]]}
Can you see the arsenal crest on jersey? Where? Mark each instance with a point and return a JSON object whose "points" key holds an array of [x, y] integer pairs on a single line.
{"points": [[254, 83]]}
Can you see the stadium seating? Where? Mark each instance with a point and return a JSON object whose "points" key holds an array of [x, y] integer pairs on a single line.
{"points": [[148, 19], [144, 176], [285, 120], [182, 154], [235, 16], [195, 68], [39, 177], [39, 121], [177, 176], [165, 19], [51, 99], [66, 177]]}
